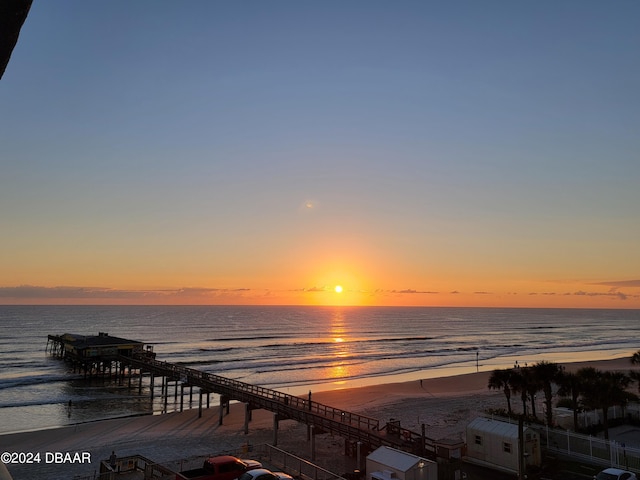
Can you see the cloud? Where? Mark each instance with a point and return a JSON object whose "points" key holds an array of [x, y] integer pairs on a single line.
{"points": [[411, 291], [619, 283], [613, 293], [312, 289], [193, 292], [71, 292], [34, 291]]}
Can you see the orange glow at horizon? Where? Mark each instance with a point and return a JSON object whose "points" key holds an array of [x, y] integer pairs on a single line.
{"points": [[341, 281]]}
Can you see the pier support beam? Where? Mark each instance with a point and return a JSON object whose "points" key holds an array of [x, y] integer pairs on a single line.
{"points": [[224, 405], [200, 405], [247, 417], [275, 429], [313, 443], [165, 392]]}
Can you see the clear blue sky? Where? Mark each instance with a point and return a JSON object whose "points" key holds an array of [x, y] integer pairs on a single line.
{"points": [[272, 148]]}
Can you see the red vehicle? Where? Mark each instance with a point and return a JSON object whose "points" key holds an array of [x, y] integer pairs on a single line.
{"points": [[223, 467]]}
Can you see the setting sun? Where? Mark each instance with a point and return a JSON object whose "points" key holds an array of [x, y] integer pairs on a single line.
{"points": [[338, 289]]}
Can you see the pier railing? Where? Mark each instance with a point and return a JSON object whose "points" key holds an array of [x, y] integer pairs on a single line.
{"points": [[325, 418], [280, 402], [294, 465]]}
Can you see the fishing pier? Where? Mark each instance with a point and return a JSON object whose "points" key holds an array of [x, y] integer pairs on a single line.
{"points": [[131, 360]]}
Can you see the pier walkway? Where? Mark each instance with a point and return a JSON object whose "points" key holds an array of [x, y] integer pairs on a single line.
{"points": [[323, 418], [356, 429]]}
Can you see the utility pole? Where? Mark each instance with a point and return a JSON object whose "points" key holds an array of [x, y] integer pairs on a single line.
{"points": [[521, 465]]}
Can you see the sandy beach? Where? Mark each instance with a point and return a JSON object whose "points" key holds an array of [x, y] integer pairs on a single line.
{"points": [[444, 405]]}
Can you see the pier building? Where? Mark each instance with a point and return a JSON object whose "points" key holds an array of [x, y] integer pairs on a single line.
{"points": [[101, 345]]}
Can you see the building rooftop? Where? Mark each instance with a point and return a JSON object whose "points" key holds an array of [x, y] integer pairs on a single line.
{"points": [[101, 340]]}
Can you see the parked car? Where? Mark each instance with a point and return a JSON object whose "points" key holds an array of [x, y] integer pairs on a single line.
{"points": [[615, 474], [258, 474], [283, 476], [224, 467], [251, 464]]}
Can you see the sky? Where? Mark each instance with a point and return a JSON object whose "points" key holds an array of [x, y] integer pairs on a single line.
{"points": [[414, 153]]}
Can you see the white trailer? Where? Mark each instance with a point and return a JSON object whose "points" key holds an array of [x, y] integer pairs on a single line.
{"points": [[494, 444], [386, 463]]}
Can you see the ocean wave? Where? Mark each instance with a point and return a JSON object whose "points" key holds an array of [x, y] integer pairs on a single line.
{"points": [[77, 401], [198, 362], [247, 338], [10, 383], [332, 341]]}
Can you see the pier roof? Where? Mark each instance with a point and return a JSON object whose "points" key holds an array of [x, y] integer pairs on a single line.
{"points": [[100, 340]]}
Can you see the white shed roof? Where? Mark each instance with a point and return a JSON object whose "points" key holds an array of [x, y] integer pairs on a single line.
{"points": [[496, 427], [393, 458]]}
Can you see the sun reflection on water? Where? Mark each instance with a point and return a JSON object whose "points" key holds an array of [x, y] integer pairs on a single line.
{"points": [[340, 348]]}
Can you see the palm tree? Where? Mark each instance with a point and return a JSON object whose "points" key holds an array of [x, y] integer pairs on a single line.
{"points": [[519, 384], [603, 390], [571, 386], [547, 373], [533, 386], [635, 376], [592, 393], [501, 380]]}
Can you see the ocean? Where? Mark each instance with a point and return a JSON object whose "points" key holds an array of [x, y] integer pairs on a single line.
{"points": [[293, 349]]}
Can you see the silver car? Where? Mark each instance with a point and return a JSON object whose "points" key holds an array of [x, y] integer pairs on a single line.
{"points": [[615, 474], [258, 474]]}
